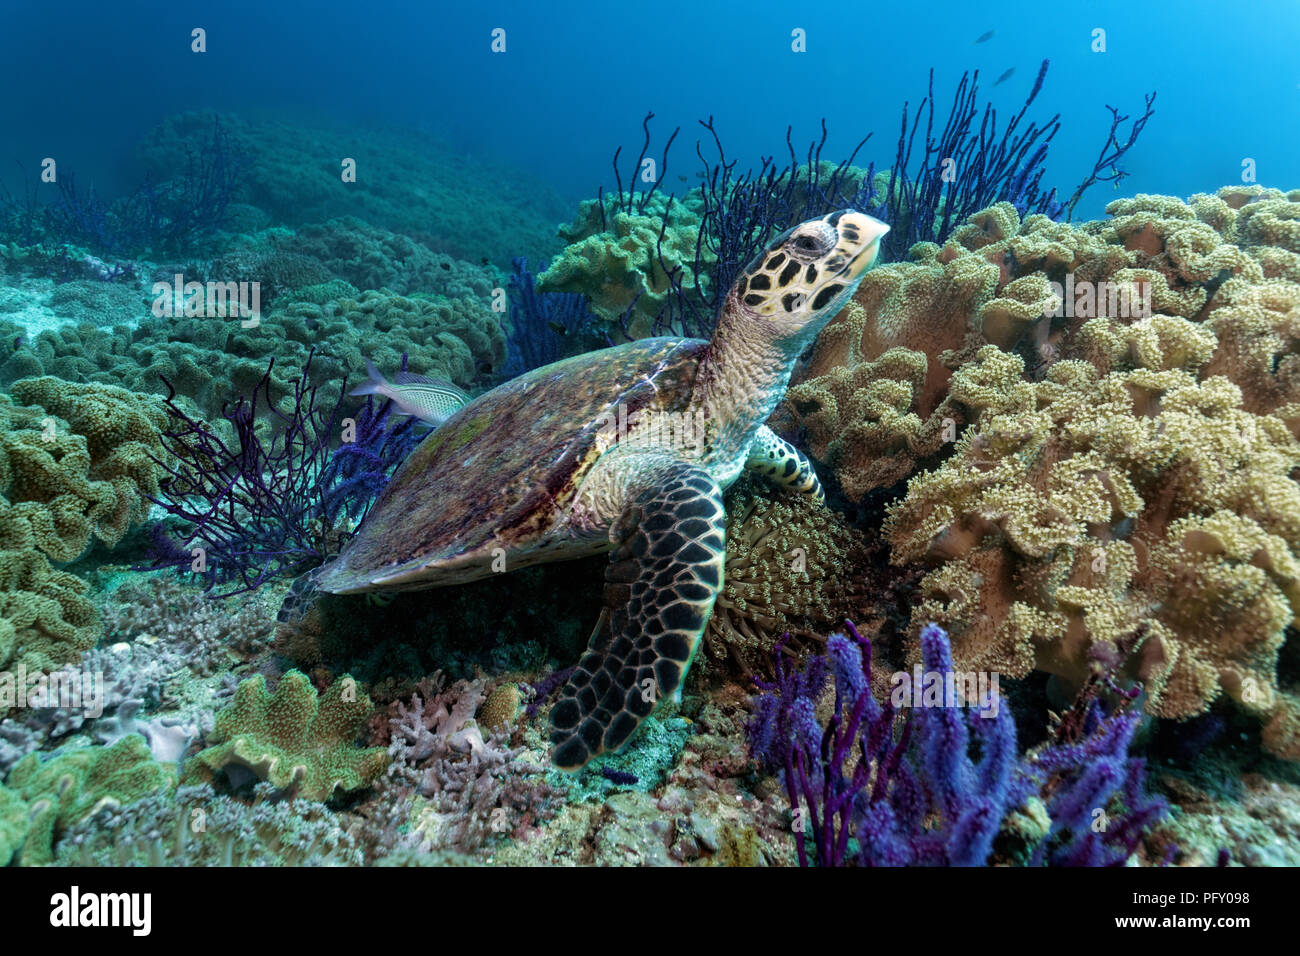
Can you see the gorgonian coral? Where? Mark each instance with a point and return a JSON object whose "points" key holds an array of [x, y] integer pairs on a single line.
{"points": [[545, 326], [936, 778], [673, 261], [257, 507]]}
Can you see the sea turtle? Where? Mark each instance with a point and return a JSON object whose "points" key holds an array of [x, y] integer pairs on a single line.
{"points": [[628, 451]]}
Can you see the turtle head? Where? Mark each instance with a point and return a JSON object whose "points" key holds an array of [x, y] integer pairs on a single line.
{"points": [[807, 273]]}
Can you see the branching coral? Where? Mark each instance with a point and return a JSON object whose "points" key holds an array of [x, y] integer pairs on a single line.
{"points": [[292, 739], [139, 687], [195, 826], [475, 787]]}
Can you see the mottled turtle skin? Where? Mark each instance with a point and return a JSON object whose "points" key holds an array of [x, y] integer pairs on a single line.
{"points": [[543, 469]]}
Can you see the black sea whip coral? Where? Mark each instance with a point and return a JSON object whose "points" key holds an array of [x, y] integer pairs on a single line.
{"points": [[255, 509], [935, 183]]}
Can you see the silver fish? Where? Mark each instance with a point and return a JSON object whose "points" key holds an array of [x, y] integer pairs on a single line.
{"points": [[1005, 76], [432, 400]]}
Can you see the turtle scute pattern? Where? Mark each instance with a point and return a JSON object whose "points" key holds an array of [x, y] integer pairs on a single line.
{"points": [[661, 582]]}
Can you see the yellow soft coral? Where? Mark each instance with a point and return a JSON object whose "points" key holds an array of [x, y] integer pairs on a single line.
{"points": [[1162, 285], [79, 460], [45, 619], [1140, 519]]}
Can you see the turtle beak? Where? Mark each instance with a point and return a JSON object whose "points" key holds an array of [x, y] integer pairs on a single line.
{"points": [[859, 240]]}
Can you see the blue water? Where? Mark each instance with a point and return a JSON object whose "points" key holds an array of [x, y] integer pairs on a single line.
{"points": [[576, 78]]}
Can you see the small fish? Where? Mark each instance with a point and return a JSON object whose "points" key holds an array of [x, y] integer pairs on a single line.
{"points": [[984, 37], [429, 399], [1004, 77], [557, 328], [682, 178]]}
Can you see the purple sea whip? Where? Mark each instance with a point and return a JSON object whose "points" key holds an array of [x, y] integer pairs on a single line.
{"points": [[916, 795]]}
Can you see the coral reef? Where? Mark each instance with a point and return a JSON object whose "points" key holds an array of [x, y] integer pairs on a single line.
{"points": [[99, 303], [299, 743], [75, 784], [407, 181], [176, 210], [793, 567], [1082, 440], [195, 826], [368, 257], [209, 360], [917, 796]]}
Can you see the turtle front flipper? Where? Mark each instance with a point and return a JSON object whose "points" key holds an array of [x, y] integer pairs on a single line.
{"points": [[664, 573], [302, 594], [782, 464]]}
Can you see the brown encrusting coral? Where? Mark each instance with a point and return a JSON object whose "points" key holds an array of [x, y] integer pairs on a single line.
{"points": [[793, 566]]}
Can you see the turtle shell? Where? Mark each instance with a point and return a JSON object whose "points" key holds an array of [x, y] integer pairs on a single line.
{"points": [[503, 471]]}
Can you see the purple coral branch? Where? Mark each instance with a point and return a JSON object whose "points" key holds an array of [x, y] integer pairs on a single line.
{"points": [[922, 798]]}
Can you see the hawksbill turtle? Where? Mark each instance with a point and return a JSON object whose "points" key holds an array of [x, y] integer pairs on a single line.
{"points": [[626, 450]]}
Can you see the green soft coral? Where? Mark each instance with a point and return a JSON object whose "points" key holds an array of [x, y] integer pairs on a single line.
{"points": [[622, 266], [79, 460], [293, 739], [13, 824], [210, 361], [46, 620], [71, 787]]}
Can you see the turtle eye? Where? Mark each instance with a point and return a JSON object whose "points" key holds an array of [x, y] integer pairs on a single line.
{"points": [[807, 245]]}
